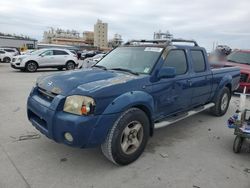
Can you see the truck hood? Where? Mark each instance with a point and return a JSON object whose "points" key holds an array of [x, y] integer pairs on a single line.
{"points": [[87, 80]]}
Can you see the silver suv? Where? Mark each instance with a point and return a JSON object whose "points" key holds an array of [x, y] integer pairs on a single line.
{"points": [[45, 58]]}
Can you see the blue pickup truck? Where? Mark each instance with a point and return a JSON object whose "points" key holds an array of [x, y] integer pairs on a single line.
{"points": [[136, 88]]}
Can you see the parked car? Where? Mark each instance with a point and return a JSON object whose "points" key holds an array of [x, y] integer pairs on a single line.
{"points": [[240, 58], [45, 58], [87, 54], [5, 56], [89, 62], [12, 51], [133, 90]]}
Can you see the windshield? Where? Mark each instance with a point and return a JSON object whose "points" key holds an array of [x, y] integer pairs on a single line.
{"points": [[137, 59], [37, 52], [239, 57]]}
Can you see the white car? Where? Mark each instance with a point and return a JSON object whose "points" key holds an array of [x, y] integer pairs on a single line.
{"points": [[5, 56], [89, 62], [45, 58], [12, 51]]}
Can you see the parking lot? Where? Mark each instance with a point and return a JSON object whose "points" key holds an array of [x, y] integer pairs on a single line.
{"points": [[195, 152]]}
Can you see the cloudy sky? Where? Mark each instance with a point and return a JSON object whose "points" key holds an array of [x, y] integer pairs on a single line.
{"points": [[207, 21]]}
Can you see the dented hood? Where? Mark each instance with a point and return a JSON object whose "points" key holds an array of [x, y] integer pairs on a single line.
{"points": [[88, 80]]}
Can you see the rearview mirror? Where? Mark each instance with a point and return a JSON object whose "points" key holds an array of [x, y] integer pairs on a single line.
{"points": [[167, 72]]}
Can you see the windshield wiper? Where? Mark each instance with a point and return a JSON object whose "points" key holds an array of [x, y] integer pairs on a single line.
{"points": [[100, 66], [125, 70]]}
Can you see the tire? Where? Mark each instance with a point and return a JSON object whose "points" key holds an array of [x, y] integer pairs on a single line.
{"points": [[31, 66], [70, 65], [6, 60], [127, 138], [60, 68], [221, 102], [238, 141]]}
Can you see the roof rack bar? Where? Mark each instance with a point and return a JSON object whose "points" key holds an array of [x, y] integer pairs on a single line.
{"points": [[158, 41], [184, 40], [149, 41]]}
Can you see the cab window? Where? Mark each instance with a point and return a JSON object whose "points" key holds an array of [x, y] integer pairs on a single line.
{"points": [[178, 60], [199, 64]]}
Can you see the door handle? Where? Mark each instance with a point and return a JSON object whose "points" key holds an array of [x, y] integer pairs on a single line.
{"points": [[189, 82]]}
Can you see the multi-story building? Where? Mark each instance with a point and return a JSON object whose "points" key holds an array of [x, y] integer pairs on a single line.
{"points": [[63, 37], [101, 34]]}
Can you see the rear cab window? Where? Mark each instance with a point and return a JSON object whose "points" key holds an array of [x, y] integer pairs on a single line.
{"points": [[178, 60], [199, 64]]}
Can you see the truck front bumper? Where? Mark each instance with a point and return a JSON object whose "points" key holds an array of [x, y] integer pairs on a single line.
{"points": [[86, 131]]}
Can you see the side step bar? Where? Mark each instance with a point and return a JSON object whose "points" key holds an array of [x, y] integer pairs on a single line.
{"points": [[174, 119]]}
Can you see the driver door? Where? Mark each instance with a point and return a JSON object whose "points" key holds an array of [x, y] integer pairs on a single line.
{"points": [[46, 58], [173, 95]]}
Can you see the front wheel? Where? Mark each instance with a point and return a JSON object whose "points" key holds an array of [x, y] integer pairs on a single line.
{"points": [[70, 65], [127, 138], [221, 102], [31, 66]]}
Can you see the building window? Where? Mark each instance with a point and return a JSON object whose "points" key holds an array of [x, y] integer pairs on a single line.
{"points": [[30, 46]]}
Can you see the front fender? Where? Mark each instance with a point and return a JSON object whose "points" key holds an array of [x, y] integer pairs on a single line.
{"points": [[130, 99]]}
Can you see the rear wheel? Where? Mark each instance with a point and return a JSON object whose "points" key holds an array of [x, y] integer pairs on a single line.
{"points": [[6, 59], [127, 138], [221, 102], [70, 65], [31, 66]]}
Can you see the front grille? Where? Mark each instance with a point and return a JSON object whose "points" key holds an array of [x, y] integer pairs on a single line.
{"points": [[243, 77], [46, 94]]}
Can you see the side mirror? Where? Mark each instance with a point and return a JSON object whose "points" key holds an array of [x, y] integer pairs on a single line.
{"points": [[167, 72], [42, 55]]}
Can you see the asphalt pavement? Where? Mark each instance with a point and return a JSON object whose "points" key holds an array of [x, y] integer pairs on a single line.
{"points": [[193, 153]]}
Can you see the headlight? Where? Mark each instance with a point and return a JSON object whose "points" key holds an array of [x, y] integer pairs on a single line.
{"points": [[80, 105]]}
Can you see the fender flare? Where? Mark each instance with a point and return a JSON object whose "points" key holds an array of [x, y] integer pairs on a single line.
{"points": [[226, 80], [128, 100], [139, 99]]}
